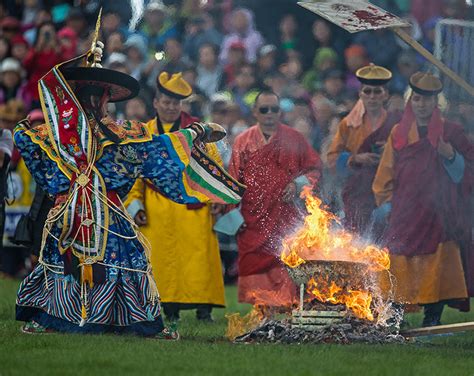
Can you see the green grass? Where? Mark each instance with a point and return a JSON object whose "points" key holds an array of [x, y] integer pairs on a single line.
{"points": [[203, 350]]}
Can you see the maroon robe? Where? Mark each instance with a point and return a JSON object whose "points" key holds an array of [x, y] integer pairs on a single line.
{"points": [[266, 169], [428, 208]]}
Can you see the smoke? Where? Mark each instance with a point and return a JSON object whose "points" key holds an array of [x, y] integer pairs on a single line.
{"points": [[138, 7]]}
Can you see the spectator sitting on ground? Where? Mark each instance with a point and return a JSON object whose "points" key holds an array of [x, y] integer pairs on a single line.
{"points": [[209, 72], [236, 58], [323, 36], [137, 57], [19, 47], [355, 58], [381, 46], [288, 40], [44, 55], [243, 92], [303, 125], [243, 30], [325, 59], [172, 61], [324, 111], [12, 82], [200, 31], [266, 62], [407, 65], [115, 43], [111, 22], [76, 20], [136, 109], [333, 85], [10, 26], [292, 70], [68, 42], [4, 48], [31, 35], [158, 26]]}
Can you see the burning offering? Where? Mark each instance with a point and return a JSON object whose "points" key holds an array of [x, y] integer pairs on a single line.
{"points": [[344, 288], [335, 266]]}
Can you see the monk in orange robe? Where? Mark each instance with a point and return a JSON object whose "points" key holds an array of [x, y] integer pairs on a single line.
{"points": [[357, 145]]}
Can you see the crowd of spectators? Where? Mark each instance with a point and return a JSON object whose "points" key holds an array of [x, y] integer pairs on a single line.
{"points": [[226, 49]]}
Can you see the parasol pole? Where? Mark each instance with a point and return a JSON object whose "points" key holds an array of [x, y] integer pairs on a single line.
{"points": [[358, 15], [433, 60]]}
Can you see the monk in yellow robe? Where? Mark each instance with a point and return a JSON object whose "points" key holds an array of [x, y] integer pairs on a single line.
{"points": [[185, 251], [422, 188]]}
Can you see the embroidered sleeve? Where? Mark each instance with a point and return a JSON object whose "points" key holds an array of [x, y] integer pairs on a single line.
{"points": [[45, 172], [184, 173]]}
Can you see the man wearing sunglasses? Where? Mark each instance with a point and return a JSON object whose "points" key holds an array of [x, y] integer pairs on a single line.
{"points": [[424, 182], [355, 150], [274, 161]]}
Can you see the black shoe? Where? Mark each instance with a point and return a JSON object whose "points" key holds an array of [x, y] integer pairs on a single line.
{"points": [[173, 318], [428, 323], [433, 314], [203, 313], [207, 319]]}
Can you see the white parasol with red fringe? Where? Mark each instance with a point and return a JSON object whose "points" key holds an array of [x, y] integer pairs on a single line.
{"points": [[355, 16]]}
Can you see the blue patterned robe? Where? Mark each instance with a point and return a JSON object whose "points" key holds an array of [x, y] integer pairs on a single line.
{"points": [[120, 303]]}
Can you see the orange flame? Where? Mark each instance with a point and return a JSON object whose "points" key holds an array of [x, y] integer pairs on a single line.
{"points": [[357, 301], [316, 241]]}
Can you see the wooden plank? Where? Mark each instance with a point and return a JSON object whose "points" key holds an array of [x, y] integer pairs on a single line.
{"points": [[316, 320], [319, 313], [440, 329], [314, 328]]}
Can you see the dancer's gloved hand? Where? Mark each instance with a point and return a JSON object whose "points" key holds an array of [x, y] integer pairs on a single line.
{"points": [[25, 122], [208, 132]]}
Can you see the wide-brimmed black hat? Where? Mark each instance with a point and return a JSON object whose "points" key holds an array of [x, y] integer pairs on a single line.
{"points": [[121, 86]]}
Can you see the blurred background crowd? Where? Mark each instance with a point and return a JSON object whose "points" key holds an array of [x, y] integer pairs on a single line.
{"points": [[227, 50]]}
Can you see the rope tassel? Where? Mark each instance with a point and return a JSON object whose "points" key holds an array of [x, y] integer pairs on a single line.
{"points": [[83, 316]]}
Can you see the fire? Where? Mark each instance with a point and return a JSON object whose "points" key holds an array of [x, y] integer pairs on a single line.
{"points": [[238, 325], [357, 301], [316, 240]]}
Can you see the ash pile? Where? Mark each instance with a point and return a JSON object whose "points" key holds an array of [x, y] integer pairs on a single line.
{"points": [[348, 330], [341, 327]]}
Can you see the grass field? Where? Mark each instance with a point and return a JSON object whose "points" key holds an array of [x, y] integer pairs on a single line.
{"points": [[203, 350]]}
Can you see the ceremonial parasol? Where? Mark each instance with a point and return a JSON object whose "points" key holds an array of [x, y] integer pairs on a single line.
{"points": [[355, 16]]}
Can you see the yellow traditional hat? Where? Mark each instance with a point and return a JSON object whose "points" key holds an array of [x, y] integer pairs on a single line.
{"points": [[425, 83], [373, 75], [173, 85]]}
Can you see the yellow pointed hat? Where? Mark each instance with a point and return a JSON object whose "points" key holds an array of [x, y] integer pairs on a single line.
{"points": [[425, 83], [173, 85], [373, 75]]}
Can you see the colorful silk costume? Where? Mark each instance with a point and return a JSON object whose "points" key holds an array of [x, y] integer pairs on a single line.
{"points": [[94, 264]]}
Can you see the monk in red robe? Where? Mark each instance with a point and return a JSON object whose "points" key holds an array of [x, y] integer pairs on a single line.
{"points": [[274, 161], [424, 182]]}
